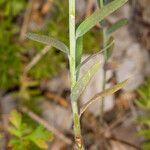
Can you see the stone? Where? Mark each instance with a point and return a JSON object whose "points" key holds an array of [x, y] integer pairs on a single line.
{"points": [[57, 116]]}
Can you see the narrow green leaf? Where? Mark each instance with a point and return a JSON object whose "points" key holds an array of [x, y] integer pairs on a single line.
{"points": [[15, 118], [102, 94], [116, 26], [83, 81], [98, 16], [15, 132], [91, 57], [49, 41], [79, 50]]}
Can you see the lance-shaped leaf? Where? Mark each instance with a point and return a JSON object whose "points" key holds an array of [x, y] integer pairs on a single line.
{"points": [[49, 41], [98, 16], [79, 50], [102, 94], [116, 26], [91, 57], [83, 81]]}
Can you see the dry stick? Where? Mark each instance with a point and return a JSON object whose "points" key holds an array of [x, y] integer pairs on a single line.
{"points": [[112, 126], [36, 59], [43, 122], [124, 142], [58, 99], [26, 20]]}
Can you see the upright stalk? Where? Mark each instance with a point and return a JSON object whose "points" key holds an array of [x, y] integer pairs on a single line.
{"points": [[72, 62], [101, 4]]}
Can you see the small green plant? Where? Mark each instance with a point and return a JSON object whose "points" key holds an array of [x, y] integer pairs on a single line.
{"points": [[25, 137], [144, 103], [74, 53]]}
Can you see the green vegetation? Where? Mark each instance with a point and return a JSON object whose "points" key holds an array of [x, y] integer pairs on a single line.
{"points": [[24, 137], [144, 103]]}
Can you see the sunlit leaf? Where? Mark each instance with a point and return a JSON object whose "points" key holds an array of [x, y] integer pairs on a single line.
{"points": [[83, 81], [14, 132], [15, 118], [116, 26], [102, 94], [49, 41], [40, 136], [98, 16]]}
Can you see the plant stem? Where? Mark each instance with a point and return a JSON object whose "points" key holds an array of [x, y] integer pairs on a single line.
{"points": [[101, 4], [72, 62]]}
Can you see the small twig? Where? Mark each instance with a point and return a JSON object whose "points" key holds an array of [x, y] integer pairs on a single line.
{"points": [[36, 59], [58, 99], [119, 120], [55, 131], [124, 142], [26, 20]]}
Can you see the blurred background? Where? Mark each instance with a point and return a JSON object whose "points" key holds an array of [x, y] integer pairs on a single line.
{"points": [[35, 111]]}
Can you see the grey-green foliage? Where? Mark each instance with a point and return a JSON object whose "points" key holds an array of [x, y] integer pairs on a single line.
{"points": [[98, 16], [24, 137], [49, 41], [144, 103], [84, 27]]}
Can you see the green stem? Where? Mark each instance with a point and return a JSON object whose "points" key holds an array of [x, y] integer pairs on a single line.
{"points": [[72, 62], [104, 73], [101, 4]]}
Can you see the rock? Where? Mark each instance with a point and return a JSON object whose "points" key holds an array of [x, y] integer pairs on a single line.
{"points": [[57, 116], [133, 58], [132, 67], [58, 84]]}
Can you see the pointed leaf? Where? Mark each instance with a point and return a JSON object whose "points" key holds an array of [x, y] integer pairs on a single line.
{"points": [[116, 26], [102, 94], [110, 44], [15, 118], [83, 81], [49, 41], [40, 136], [79, 50], [98, 16]]}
